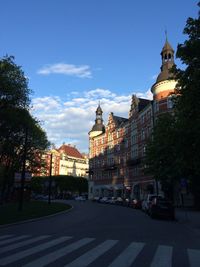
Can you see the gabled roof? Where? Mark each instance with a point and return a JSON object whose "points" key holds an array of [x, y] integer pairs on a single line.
{"points": [[119, 120], [143, 103], [70, 151]]}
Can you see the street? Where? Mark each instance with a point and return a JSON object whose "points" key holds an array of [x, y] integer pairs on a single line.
{"points": [[100, 235]]}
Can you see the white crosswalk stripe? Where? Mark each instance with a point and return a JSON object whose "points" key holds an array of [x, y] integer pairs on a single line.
{"points": [[10, 240], [59, 253], [194, 257], [92, 255], [22, 244], [163, 257], [127, 257], [5, 236], [20, 255]]}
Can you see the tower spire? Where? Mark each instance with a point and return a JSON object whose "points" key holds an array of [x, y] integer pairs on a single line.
{"points": [[99, 126], [166, 35], [167, 55]]}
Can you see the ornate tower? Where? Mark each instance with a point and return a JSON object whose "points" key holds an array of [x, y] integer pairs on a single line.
{"points": [[98, 127], [165, 83]]}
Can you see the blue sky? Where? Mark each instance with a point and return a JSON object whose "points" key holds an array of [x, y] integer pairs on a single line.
{"points": [[77, 52]]}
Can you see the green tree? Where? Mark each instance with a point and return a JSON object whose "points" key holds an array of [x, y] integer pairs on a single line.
{"points": [[187, 103], [161, 157], [16, 123], [37, 184], [13, 84], [81, 185]]}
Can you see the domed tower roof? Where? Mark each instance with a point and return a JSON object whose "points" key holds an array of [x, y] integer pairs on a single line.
{"points": [[98, 126], [99, 110], [167, 47], [167, 55], [165, 82]]}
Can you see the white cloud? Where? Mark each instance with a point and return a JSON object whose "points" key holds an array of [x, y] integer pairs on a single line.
{"points": [[99, 93], [46, 103], [70, 120], [148, 95], [82, 71]]}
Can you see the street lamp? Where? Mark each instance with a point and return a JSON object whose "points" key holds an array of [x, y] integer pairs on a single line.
{"points": [[21, 197], [50, 179]]}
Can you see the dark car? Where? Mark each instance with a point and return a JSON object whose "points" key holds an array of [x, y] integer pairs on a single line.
{"points": [[161, 208], [136, 203]]}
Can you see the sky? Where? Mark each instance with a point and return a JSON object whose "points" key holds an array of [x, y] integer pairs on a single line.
{"points": [[76, 53]]}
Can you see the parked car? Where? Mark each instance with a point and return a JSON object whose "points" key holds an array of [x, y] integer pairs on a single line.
{"points": [[96, 199], [80, 198], [119, 201], [147, 201], [112, 200], [136, 203], [126, 202], [41, 197], [161, 208], [103, 200]]}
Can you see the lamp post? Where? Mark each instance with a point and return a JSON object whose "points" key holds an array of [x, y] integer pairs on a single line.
{"points": [[50, 179]]}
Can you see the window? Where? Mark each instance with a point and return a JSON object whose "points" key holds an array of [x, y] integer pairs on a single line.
{"points": [[170, 102], [126, 130], [109, 137], [143, 134], [118, 147], [156, 107], [144, 150]]}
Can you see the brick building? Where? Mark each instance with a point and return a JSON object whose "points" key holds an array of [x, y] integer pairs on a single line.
{"points": [[72, 162], [66, 160], [117, 150]]}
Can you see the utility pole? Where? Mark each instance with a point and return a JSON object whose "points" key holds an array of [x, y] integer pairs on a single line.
{"points": [[21, 196], [50, 179]]}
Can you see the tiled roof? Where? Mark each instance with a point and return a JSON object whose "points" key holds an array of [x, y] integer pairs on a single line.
{"points": [[70, 151]]}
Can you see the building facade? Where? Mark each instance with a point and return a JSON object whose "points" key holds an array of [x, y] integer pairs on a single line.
{"points": [[107, 155], [72, 162], [117, 150], [66, 160]]}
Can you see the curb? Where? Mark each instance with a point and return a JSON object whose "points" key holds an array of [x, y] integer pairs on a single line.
{"points": [[36, 219]]}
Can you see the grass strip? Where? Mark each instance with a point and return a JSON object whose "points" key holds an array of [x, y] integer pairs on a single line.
{"points": [[9, 212]]}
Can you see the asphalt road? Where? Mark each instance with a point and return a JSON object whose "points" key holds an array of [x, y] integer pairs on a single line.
{"points": [[100, 235]]}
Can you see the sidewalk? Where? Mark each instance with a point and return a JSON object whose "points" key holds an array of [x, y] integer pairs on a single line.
{"points": [[188, 217]]}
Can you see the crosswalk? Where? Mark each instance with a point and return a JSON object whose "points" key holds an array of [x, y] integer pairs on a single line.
{"points": [[68, 251]]}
